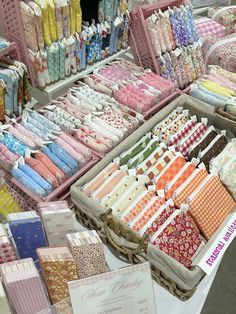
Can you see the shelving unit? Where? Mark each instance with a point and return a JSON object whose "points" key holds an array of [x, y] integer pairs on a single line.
{"points": [[60, 87]]}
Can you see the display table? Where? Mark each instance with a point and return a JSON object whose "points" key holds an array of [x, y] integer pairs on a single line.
{"points": [[166, 302]]}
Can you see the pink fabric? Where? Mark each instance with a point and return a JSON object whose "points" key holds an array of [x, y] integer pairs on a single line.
{"points": [[42, 170], [207, 27], [70, 150], [80, 148]]}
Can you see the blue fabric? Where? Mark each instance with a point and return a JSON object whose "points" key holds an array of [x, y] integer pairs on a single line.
{"points": [[36, 177], [13, 144], [64, 156], [28, 235], [58, 162], [29, 183]]}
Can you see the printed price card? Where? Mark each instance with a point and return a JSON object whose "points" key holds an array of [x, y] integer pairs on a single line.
{"points": [[122, 291]]}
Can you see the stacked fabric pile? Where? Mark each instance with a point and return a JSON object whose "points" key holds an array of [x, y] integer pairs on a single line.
{"points": [[46, 161], [60, 44], [74, 255], [131, 86], [14, 88], [148, 184], [217, 88], [174, 39]]}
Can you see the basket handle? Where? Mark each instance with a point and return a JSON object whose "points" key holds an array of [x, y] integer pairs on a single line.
{"points": [[142, 243]]}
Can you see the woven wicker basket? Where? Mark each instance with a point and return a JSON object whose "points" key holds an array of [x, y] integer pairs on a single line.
{"points": [[177, 279], [133, 256]]}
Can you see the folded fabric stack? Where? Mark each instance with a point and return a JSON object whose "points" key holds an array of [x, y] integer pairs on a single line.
{"points": [[147, 184], [24, 287], [130, 85], [58, 221], [221, 52], [60, 45], [88, 252], [58, 267], [4, 305], [7, 203], [28, 234], [7, 251], [224, 165], [207, 27], [225, 16], [41, 171], [217, 88], [174, 40], [4, 43], [14, 88]]}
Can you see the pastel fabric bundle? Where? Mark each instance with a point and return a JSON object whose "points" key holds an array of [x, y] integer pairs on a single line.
{"points": [[53, 215], [7, 251], [226, 16], [24, 286], [216, 90], [207, 27], [221, 52], [224, 166]]}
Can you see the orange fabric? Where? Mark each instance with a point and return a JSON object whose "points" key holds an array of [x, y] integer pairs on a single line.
{"points": [[170, 173], [138, 207], [150, 211], [210, 206], [190, 187], [183, 177]]}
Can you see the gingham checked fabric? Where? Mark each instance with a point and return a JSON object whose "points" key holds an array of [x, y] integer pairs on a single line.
{"points": [[151, 160], [186, 173], [195, 137], [160, 165], [148, 213], [138, 207], [210, 206], [207, 27], [24, 287], [182, 133], [191, 185], [171, 171]]}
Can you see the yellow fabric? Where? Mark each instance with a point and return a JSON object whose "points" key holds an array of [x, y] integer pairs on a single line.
{"points": [[72, 17], [45, 21], [52, 19], [78, 16], [7, 203], [2, 102], [123, 5], [218, 89]]}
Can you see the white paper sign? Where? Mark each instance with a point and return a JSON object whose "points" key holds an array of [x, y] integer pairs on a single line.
{"points": [[122, 291], [212, 253]]}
